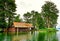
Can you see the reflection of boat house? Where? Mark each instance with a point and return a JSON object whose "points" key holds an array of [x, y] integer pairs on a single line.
{"points": [[22, 26], [22, 37]]}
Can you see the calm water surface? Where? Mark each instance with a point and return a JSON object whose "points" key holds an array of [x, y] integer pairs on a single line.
{"points": [[30, 36]]}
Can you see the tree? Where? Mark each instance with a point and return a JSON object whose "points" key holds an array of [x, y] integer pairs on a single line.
{"points": [[34, 18], [49, 12], [7, 7], [17, 18], [40, 22], [37, 20], [3, 23], [27, 17]]}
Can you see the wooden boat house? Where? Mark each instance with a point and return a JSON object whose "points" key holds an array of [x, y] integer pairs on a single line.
{"points": [[20, 26]]}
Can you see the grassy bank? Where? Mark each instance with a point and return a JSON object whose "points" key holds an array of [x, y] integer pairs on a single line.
{"points": [[48, 30]]}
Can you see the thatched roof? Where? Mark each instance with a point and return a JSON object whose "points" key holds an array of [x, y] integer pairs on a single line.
{"points": [[22, 25]]}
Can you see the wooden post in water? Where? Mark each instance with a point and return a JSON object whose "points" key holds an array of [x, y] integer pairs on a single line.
{"points": [[17, 31]]}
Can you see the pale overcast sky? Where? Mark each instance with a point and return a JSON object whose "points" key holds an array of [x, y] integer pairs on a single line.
{"points": [[24, 6]]}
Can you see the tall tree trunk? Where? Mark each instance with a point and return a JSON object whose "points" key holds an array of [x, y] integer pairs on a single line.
{"points": [[9, 22], [48, 24]]}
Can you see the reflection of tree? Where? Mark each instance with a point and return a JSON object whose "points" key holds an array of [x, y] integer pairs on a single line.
{"points": [[1, 37], [41, 37], [9, 37], [35, 36], [5, 37], [55, 37], [51, 37]]}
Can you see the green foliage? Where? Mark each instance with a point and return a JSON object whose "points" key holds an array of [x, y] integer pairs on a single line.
{"points": [[27, 17], [17, 18], [35, 18], [41, 37], [47, 18], [49, 12], [40, 22], [3, 23], [7, 9]]}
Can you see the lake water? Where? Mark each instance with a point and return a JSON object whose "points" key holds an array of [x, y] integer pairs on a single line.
{"points": [[30, 36]]}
